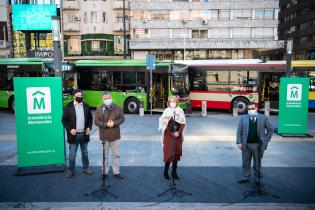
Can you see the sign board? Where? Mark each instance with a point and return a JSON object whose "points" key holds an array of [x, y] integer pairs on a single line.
{"points": [[293, 106], [39, 130], [150, 62], [33, 16], [40, 54]]}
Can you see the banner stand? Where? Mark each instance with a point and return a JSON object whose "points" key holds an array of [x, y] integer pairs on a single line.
{"points": [[36, 170]]}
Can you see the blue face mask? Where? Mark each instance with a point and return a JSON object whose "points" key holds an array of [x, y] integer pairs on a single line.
{"points": [[108, 102]]}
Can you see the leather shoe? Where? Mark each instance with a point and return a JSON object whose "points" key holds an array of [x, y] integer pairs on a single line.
{"points": [[103, 176], [118, 176], [87, 171], [242, 181], [69, 174]]}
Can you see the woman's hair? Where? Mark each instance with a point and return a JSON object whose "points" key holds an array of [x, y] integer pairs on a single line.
{"points": [[172, 98]]}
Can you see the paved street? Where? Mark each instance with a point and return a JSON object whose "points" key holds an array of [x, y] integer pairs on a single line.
{"points": [[209, 168]]}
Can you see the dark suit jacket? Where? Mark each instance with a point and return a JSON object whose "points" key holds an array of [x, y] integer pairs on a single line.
{"points": [[264, 130], [69, 121]]}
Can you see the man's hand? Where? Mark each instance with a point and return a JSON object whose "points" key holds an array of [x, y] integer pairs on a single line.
{"points": [[110, 124], [240, 146], [176, 134], [87, 131], [73, 131]]}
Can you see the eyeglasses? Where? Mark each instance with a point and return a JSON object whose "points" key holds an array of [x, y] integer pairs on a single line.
{"points": [[251, 108]]}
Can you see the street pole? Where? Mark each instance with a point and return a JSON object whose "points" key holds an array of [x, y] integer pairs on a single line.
{"points": [[288, 58], [151, 92], [124, 28], [56, 45]]}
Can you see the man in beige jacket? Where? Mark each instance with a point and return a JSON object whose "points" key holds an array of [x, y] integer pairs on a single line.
{"points": [[108, 118]]}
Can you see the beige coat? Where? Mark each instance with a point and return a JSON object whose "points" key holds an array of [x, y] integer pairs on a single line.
{"points": [[103, 115]]}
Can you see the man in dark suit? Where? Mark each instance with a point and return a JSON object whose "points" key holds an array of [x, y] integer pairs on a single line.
{"points": [[253, 135], [77, 120]]}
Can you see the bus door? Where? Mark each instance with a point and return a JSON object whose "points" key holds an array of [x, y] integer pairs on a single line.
{"points": [[269, 88], [159, 89]]}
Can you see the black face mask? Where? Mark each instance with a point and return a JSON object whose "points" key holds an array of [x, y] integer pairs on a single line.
{"points": [[78, 99]]}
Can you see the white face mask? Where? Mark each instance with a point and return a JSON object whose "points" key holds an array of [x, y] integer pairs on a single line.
{"points": [[108, 102], [252, 112], [173, 104]]}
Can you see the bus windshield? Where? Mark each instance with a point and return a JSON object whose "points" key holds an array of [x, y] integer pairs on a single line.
{"points": [[179, 80]]}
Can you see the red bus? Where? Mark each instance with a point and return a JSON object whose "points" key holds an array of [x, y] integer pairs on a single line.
{"points": [[226, 84]]}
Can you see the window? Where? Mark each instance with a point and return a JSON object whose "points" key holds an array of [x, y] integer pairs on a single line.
{"points": [[93, 17], [263, 33], [219, 33], [195, 14], [160, 15], [71, 18], [264, 14], [159, 33], [104, 17], [95, 45], [180, 33], [140, 14], [242, 32], [242, 14], [74, 45], [224, 15], [140, 33], [199, 33], [214, 14]]}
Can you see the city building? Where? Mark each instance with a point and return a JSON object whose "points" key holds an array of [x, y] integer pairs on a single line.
{"points": [[4, 44], [203, 29], [94, 29], [31, 27], [297, 22]]}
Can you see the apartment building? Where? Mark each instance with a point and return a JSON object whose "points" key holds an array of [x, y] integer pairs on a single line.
{"points": [[297, 22], [203, 29], [94, 28]]}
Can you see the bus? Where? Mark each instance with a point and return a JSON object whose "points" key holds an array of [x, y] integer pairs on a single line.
{"points": [[18, 67], [26, 67], [226, 84], [128, 83], [306, 68]]}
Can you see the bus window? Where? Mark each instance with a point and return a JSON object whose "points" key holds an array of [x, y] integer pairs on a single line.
{"points": [[243, 81], [217, 80], [129, 80], [198, 81], [3, 79]]}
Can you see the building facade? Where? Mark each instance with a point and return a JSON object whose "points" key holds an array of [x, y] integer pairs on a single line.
{"points": [[297, 22], [4, 44], [203, 29], [93, 28]]}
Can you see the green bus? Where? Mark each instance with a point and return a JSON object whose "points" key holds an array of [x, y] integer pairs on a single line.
{"points": [[26, 67], [129, 83], [18, 67]]}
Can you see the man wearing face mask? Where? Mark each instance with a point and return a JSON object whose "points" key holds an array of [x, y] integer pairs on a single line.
{"points": [[77, 120], [253, 135], [108, 117]]}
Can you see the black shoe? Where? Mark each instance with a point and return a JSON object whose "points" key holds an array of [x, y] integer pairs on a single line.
{"points": [[174, 175], [166, 167], [103, 176], [242, 181], [166, 176], [118, 176]]}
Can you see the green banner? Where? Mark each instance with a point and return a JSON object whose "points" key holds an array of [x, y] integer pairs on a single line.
{"points": [[39, 131], [293, 106]]}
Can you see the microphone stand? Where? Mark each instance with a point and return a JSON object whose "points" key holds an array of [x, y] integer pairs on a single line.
{"points": [[176, 192], [103, 191]]}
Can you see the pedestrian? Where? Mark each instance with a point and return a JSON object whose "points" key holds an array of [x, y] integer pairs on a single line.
{"points": [[77, 120], [253, 135], [108, 118], [172, 130]]}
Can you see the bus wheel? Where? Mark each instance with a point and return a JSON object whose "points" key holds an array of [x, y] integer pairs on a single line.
{"points": [[12, 105], [132, 106], [240, 104]]}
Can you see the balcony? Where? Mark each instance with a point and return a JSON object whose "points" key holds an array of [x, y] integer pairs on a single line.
{"points": [[71, 5], [119, 26], [71, 27]]}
